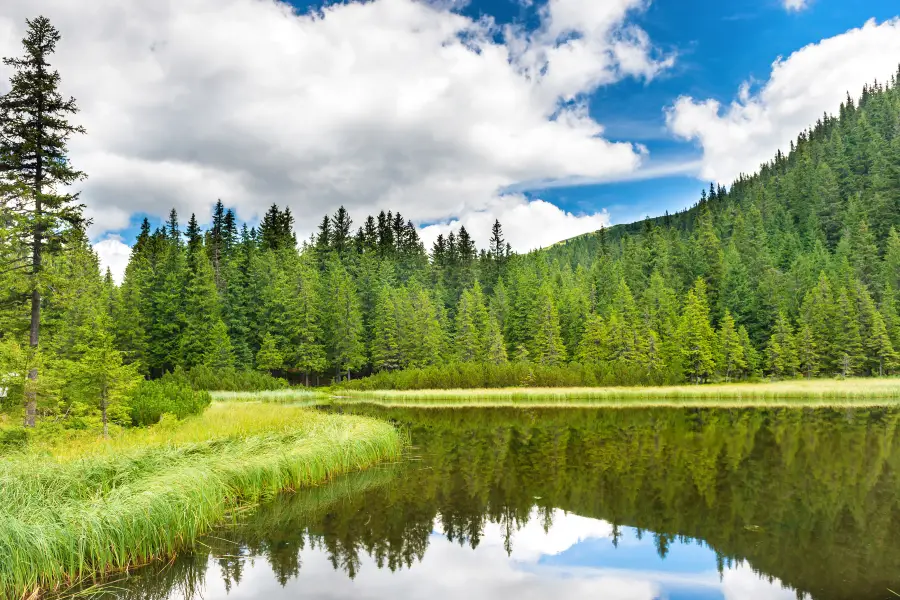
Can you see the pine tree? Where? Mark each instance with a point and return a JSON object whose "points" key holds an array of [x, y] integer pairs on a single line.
{"points": [[496, 345], [34, 161], [343, 320], [385, 350], [696, 336], [882, 356], [731, 351], [219, 353], [201, 302], [547, 346], [269, 358], [848, 345], [781, 352], [594, 346]]}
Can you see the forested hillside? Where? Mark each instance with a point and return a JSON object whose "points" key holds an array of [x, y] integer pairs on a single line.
{"points": [[793, 271]]}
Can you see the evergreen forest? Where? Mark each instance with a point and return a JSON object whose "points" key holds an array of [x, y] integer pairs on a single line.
{"points": [[793, 271]]}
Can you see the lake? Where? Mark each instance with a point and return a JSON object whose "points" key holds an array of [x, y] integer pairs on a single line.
{"points": [[601, 503]]}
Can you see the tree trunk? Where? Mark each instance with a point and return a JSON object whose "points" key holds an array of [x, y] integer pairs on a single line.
{"points": [[307, 378], [37, 247], [103, 404]]}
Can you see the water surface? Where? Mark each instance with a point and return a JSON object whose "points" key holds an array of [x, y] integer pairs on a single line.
{"points": [[642, 504]]}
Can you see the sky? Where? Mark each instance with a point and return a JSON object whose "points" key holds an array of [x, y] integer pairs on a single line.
{"points": [[574, 558], [556, 117]]}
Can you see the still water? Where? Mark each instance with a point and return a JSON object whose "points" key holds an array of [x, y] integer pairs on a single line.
{"points": [[618, 504]]}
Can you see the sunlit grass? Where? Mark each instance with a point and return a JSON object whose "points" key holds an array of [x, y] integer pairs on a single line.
{"points": [[72, 510], [815, 392], [286, 396]]}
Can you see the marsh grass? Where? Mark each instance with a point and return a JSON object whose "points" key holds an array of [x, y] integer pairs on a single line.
{"points": [[812, 393], [285, 396], [71, 511]]}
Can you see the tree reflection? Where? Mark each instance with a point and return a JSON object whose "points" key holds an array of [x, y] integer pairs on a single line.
{"points": [[807, 496]]}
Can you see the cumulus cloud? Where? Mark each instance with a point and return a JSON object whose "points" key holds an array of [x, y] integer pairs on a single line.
{"points": [[389, 104], [113, 253], [811, 81], [796, 5], [527, 225]]}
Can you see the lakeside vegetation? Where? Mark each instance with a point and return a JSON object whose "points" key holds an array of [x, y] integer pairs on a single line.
{"points": [[798, 393], [809, 497], [85, 505]]}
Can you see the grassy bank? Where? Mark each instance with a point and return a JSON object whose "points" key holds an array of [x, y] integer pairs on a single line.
{"points": [[293, 396], [816, 392], [70, 510]]}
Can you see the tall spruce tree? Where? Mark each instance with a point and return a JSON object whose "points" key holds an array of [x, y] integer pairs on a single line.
{"points": [[34, 162]]}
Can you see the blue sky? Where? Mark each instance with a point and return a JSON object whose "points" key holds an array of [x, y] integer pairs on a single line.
{"points": [[451, 112]]}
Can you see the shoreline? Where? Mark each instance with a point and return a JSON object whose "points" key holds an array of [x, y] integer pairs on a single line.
{"points": [[76, 511]]}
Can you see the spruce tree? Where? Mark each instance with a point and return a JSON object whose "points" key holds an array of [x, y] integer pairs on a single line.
{"points": [[343, 320], [781, 352], [731, 351], [547, 346], [269, 357], [696, 337], [882, 357], [385, 350], [496, 345], [594, 346], [34, 162], [849, 352]]}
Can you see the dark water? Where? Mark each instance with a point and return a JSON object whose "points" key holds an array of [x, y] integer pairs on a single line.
{"points": [[636, 504]]}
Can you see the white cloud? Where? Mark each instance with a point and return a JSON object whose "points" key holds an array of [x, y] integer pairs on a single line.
{"points": [[113, 254], [796, 5], [388, 104], [800, 89], [527, 225]]}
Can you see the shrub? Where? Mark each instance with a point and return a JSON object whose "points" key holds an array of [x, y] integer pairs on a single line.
{"points": [[516, 374], [232, 380], [172, 394], [13, 439]]}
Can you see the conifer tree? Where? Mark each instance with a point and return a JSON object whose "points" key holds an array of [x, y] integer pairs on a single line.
{"points": [[594, 346], [343, 320], [496, 345], [849, 352], [269, 357], [34, 162], [731, 351], [781, 352], [882, 356], [385, 350], [201, 301], [547, 346], [219, 353], [696, 337]]}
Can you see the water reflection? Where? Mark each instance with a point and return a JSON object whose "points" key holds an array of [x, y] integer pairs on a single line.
{"points": [[577, 504]]}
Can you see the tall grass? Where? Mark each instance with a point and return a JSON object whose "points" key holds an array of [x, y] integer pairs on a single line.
{"points": [[816, 392], [69, 511], [297, 396]]}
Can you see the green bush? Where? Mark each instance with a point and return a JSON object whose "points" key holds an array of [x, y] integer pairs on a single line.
{"points": [[232, 380], [13, 439], [172, 394], [517, 374]]}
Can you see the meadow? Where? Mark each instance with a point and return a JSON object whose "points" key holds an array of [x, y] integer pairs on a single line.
{"points": [[76, 508]]}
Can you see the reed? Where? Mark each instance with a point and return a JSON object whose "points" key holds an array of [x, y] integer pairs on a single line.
{"points": [[69, 512], [286, 396], [816, 392]]}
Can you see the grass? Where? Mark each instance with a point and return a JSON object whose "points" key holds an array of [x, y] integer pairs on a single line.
{"points": [[815, 392], [288, 396], [71, 511]]}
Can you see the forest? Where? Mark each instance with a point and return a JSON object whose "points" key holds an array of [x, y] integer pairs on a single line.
{"points": [[790, 272]]}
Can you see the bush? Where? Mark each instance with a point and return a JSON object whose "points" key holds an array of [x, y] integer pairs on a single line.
{"points": [[13, 439], [172, 394], [517, 374], [231, 380]]}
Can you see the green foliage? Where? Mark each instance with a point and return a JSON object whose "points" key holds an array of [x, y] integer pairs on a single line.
{"points": [[172, 394]]}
